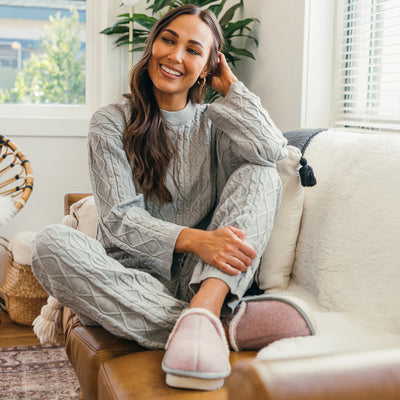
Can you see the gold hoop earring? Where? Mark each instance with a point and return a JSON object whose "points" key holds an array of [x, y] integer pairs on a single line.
{"points": [[201, 83]]}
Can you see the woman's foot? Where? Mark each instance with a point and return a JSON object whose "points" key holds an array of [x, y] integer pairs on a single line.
{"points": [[197, 353]]}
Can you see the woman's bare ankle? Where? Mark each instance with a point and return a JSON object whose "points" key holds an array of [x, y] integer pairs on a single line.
{"points": [[210, 296]]}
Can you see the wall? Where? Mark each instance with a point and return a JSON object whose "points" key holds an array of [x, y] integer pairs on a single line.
{"points": [[293, 67], [276, 75], [59, 166]]}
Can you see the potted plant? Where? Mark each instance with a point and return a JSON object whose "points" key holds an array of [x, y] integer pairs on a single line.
{"points": [[233, 29]]}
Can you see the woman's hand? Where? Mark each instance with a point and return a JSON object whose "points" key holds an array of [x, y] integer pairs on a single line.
{"points": [[223, 77], [223, 248]]}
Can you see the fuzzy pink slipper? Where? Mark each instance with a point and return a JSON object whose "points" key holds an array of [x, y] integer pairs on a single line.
{"points": [[197, 353], [261, 320]]}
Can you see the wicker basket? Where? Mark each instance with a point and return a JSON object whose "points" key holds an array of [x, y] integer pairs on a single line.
{"points": [[22, 293]]}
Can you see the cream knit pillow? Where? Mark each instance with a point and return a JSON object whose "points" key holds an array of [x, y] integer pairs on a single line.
{"points": [[277, 260], [83, 216]]}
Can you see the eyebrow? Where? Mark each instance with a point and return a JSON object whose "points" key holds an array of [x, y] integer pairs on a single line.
{"points": [[190, 41]]}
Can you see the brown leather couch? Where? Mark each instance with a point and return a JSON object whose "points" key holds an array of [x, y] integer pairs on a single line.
{"points": [[372, 375], [112, 368], [108, 367]]}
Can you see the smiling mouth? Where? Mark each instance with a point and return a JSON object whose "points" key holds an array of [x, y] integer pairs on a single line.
{"points": [[170, 71]]}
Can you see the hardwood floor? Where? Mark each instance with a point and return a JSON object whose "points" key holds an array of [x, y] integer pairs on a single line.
{"points": [[13, 334]]}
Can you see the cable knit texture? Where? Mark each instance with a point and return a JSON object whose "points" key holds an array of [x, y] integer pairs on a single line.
{"points": [[227, 176]]}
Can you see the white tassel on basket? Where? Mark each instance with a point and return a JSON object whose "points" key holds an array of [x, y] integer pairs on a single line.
{"points": [[47, 325]]}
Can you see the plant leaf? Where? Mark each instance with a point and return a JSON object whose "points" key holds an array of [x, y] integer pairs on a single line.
{"points": [[158, 5], [227, 17], [230, 58], [241, 35], [144, 20], [241, 52], [232, 27], [115, 30], [140, 38], [203, 3]]}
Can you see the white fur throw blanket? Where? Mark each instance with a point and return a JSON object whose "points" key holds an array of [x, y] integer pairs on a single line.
{"points": [[337, 333], [348, 254]]}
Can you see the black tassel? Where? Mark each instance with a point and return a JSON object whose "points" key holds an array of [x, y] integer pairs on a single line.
{"points": [[306, 172]]}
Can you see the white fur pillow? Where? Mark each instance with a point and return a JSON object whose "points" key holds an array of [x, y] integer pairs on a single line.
{"points": [[83, 216], [20, 247], [277, 260], [348, 252]]}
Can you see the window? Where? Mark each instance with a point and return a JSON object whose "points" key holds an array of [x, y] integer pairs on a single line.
{"points": [[102, 66], [368, 65], [42, 51]]}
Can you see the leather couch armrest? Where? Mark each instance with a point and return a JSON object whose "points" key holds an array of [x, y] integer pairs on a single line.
{"points": [[71, 198], [353, 376]]}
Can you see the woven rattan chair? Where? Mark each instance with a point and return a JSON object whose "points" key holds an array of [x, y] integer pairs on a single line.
{"points": [[16, 177], [22, 293]]}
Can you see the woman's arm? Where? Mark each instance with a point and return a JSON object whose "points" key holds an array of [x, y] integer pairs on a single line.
{"points": [[123, 221], [223, 248], [244, 126]]}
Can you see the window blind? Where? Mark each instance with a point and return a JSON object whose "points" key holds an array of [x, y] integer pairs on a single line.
{"points": [[368, 65]]}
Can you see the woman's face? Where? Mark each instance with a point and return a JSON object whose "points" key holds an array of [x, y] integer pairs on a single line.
{"points": [[179, 57]]}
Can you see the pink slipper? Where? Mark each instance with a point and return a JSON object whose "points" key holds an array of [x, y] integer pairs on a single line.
{"points": [[261, 320], [197, 352]]}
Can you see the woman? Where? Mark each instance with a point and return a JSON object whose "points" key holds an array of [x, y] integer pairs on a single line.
{"points": [[186, 195]]}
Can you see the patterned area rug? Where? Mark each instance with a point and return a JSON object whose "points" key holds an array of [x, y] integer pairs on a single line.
{"points": [[37, 373]]}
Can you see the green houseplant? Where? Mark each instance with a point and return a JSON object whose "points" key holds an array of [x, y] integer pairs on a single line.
{"points": [[233, 29]]}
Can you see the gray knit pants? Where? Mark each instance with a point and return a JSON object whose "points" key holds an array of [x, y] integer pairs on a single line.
{"points": [[133, 303]]}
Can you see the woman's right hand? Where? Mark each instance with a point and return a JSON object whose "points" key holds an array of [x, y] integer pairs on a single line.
{"points": [[223, 248], [224, 77]]}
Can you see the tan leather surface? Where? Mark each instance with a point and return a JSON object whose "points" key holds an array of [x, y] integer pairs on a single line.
{"points": [[357, 376], [139, 376], [88, 347]]}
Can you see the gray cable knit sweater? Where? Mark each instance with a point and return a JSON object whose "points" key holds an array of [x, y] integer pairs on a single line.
{"points": [[212, 141]]}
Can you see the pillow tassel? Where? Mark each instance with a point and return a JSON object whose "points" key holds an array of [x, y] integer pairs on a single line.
{"points": [[47, 325], [306, 173]]}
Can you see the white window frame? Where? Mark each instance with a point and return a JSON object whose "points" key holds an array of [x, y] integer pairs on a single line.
{"points": [[106, 78]]}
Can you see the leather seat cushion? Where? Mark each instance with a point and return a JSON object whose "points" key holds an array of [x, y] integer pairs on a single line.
{"points": [[88, 347], [139, 376]]}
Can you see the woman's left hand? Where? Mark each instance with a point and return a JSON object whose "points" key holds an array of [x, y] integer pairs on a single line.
{"points": [[223, 77]]}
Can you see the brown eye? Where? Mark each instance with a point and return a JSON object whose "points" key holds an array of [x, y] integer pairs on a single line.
{"points": [[166, 40], [194, 52]]}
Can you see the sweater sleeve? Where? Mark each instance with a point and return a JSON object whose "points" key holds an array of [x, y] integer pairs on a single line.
{"points": [[123, 221], [246, 127]]}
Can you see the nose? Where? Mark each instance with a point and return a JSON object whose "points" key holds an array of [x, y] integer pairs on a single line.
{"points": [[176, 54]]}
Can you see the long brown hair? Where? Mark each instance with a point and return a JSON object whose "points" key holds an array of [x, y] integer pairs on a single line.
{"points": [[146, 141]]}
